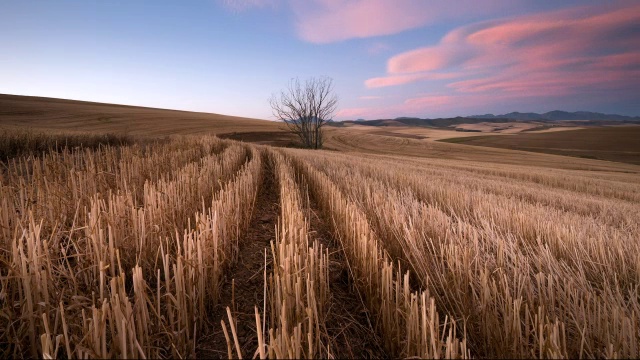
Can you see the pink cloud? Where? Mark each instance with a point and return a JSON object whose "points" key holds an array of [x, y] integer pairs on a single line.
{"points": [[370, 97], [416, 106], [630, 60], [428, 59], [558, 53], [406, 79], [429, 102], [325, 21], [329, 21], [551, 82]]}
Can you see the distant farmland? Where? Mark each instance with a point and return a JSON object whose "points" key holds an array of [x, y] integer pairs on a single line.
{"points": [[604, 143]]}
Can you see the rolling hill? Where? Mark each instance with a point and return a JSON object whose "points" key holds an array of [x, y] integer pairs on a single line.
{"points": [[59, 114]]}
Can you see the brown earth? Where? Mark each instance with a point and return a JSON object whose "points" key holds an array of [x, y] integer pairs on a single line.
{"points": [[398, 134], [248, 277], [349, 326], [273, 138], [366, 143], [349, 329], [621, 144]]}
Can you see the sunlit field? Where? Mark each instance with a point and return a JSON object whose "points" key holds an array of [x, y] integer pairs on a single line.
{"points": [[197, 246], [319, 179]]}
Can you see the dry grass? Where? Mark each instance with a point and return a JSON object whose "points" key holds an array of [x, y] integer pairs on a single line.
{"points": [[531, 264], [298, 286], [407, 320], [123, 276], [121, 251], [17, 142]]}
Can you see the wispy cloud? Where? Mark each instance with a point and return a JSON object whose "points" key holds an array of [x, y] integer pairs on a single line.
{"points": [[325, 21], [582, 55], [431, 101], [415, 106], [394, 80], [558, 52], [579, 55]]}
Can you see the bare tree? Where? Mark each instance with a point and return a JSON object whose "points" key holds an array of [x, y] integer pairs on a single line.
{"points": [[305, 109]]}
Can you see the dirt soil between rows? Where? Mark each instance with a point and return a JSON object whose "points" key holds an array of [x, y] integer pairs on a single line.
{"points": [[349, 329], [246, 276], [349, 325]]}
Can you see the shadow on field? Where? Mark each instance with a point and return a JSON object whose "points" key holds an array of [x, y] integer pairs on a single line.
{"points": [[273, 138]]}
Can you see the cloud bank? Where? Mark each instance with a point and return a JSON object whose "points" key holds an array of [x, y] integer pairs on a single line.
{"points": [[579, 52]]}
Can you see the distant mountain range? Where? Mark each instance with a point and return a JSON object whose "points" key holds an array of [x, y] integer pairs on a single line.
{"points": [[558, 115], [589, 118], [407, 121]]}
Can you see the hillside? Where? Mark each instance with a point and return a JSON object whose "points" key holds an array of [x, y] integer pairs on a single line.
{"points": [[58, 114]]}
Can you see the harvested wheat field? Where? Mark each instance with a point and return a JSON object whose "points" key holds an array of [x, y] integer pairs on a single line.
{"points": [[195, 246], [401, 179], [612, 143]]}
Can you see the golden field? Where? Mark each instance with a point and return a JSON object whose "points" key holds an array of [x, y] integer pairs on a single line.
{"points": [[147, 245], [80, 116]]}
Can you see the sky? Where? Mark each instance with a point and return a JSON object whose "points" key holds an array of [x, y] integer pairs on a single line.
{"points": [[387, 58]]}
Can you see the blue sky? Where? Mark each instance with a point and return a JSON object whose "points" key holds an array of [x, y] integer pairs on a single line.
{"points": [[387, 58]]}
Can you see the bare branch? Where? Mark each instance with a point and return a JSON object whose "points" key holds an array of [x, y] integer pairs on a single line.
{"points": [[306, 109]]}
